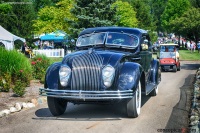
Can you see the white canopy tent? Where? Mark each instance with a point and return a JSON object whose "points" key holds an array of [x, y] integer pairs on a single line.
{"points": [[8, 38]]}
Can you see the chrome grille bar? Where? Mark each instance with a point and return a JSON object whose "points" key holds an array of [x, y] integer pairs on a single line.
{"points": [[86, 72]]}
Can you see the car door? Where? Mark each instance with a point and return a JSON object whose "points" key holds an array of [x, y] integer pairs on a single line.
{"points": [[146, 56]]}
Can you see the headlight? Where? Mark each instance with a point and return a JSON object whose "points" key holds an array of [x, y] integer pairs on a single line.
{"points": [[64, 74], [108, 74]]}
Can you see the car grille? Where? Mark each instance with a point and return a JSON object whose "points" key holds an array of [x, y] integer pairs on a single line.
{"points": [[86, 72]]}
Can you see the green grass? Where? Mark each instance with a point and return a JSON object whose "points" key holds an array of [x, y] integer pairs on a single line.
{"points": [[187, 55], [53, 60]]}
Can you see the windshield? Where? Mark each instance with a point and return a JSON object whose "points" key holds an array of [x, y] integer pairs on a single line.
{"points": [[167, 48], [122, 39], [111, 39], [167, 51], [91, 39]]}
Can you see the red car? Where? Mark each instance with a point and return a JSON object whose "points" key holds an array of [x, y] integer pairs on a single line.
{"points": [[169, 57]]}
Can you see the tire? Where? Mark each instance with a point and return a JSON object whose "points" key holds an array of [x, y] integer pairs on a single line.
{"points": [[57, 106], [154, 91], [134, 104], [174, 68], [179, 68]]}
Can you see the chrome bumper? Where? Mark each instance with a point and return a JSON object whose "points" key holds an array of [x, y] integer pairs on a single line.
{"points": [[86, 95]]}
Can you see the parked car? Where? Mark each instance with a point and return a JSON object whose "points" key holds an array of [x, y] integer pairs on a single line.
{"points": [[169, 57], [110, 64]]}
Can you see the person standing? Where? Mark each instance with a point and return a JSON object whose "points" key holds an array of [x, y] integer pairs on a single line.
{"points": [[24, 48], [194, 46], [188, 45], [198, 46], [191, 46]]}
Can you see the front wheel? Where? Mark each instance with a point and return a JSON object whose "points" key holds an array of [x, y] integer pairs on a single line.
{"points": [[57, 106], [154, 91], [174, 68], [134, 105], [179, 68]]}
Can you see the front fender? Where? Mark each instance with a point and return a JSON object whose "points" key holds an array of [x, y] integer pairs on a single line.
{"points": [[155, 72], [129, 76], [52, 76]]}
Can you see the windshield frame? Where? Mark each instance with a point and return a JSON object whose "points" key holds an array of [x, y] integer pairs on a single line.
{"points": [[106, 37]]}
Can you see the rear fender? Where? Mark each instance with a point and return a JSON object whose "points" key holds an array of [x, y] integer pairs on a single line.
{"points": [[129, 76], [52, 76]]}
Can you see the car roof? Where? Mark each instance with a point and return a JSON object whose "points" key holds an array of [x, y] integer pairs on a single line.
{"points": [[168, 44], [135, 31]]}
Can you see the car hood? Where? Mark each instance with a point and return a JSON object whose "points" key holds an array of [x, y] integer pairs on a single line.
{"points": [[93, 57]]}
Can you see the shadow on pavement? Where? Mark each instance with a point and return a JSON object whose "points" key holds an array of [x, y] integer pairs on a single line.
{"points": [[190, 66], [89, 112], [180, 112]]}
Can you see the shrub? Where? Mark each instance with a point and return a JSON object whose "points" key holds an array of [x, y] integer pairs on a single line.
{"points": [[5, 82], [40, 63], [15, 66], [19, 88]]}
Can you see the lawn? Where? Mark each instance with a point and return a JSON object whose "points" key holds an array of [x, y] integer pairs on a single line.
{"points": [[54, 59], [187, 55]]}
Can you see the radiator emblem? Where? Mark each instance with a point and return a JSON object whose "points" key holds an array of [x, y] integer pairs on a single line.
{"points": [[90, 50]]}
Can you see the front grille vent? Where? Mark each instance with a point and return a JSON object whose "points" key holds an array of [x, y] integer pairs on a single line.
{"points": [[86, 72]]}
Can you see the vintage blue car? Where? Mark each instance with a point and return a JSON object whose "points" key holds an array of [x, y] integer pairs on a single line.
{"points": [[110, 64]]}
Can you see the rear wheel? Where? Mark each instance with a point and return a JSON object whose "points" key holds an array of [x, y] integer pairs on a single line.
{"points": [[134, 105], [57, 106]]}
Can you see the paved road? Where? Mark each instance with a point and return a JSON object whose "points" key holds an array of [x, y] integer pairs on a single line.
{"points": [[168, 109]]}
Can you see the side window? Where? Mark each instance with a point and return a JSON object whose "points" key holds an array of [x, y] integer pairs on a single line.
{"points": [[147, 42]]}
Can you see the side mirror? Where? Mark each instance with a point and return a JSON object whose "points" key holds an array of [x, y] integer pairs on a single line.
{"points": [[144, 47]]}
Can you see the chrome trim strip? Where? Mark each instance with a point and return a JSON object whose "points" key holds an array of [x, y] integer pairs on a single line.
{"points": [[86, 95]]}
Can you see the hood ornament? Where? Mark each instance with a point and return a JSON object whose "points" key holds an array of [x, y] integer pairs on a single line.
{"points": [[90, 50]]}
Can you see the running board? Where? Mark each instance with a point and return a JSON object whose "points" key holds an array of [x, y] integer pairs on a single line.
{"points": [[150, 87]]}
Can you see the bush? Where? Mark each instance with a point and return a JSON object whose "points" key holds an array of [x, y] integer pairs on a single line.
{"points": [[19, 88], [14, 66], [40, 63], [5, 82]]}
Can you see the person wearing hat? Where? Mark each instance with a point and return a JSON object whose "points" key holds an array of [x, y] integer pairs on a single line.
{"points": [[198, 46]]}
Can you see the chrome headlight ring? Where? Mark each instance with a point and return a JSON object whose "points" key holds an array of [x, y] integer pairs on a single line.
{"points": [[64, 74], [108, 74]]}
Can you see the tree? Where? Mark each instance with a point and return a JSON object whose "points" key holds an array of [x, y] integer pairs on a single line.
{"points": [[189, 24], [39, 4], [7, 15], [92, 13], [18, 19], [51, 18], [157, 8], [173, 10], [143, 15], [125, 14], [195, 3]]}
